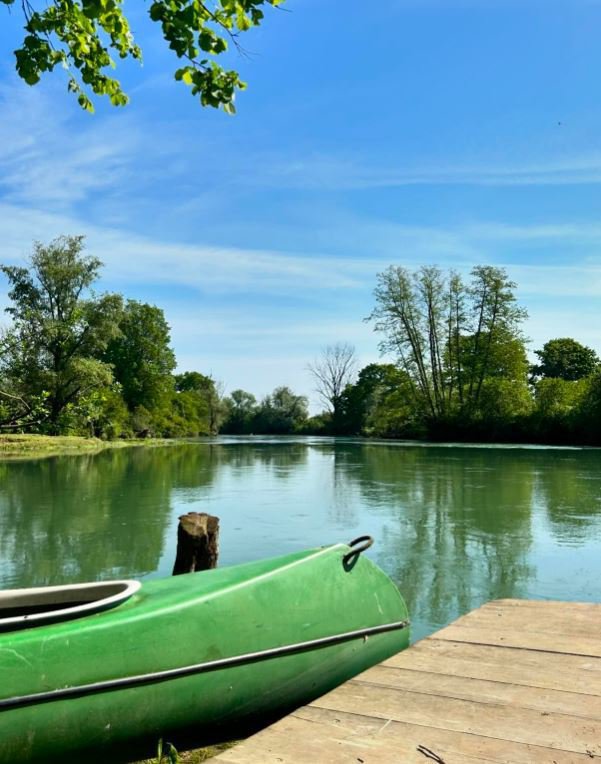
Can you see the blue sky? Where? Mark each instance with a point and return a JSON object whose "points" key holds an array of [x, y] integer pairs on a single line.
{"points": [[455, 132]]}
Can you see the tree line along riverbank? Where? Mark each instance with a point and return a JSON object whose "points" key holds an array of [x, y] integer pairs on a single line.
{"points": [[455, 367]]}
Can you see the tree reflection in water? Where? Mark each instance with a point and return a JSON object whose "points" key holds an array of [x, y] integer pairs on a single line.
{"points": [[455, 526]]}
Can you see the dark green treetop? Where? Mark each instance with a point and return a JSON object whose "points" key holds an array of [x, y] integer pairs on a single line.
{"points": [[84, 36], [193, 381], [379, 401], [565, 358]]}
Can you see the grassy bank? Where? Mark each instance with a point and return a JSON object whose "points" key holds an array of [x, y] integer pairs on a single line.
{"points": [[19, 446]]}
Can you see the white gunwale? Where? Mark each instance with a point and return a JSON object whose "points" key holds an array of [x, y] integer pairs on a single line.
{"points": [[97, 595]]}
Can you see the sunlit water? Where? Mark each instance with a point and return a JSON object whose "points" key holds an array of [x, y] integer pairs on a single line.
{"points": [[455, 526]]}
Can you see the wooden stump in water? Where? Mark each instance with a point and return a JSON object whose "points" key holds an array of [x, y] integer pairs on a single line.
{"points": [[197, 543]]}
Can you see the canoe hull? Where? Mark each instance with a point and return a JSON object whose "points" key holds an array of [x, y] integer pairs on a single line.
{"points": [[190, 620]]}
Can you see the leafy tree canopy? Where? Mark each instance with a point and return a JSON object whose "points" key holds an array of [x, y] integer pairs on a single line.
{"points": [[449, 336], [84, 37], [240, 410], [193, 381], [59, 328], [565, 358], [206, 389], [281, 412], [141, 355], [380, 402]]}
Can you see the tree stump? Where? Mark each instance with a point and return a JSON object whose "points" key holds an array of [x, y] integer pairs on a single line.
{"points": [[197, 543]]}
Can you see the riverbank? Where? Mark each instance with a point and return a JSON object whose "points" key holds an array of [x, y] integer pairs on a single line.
{"points": [[20, 446]]}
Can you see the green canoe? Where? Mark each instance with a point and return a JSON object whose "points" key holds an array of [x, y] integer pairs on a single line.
{"points": [[99, 669]]}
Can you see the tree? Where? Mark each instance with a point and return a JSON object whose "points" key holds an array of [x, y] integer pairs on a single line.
{"points": [[332, 373], [208, 390], [564, 358], [59, 328], [281, 412], [410, 312], [496, 333], [241, 408], [102, 413], [557, 398], [589, 412], [141, 356], [84, 36], [17, 411], [449, 337], [380, 402]]}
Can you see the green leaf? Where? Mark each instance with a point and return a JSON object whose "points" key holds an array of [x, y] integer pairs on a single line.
{"points": [[87, 36]]}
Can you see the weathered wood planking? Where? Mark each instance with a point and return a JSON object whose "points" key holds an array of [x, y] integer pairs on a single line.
{"points": [[515, 682]]}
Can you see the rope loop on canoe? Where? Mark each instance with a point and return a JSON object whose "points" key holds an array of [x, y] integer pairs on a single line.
{"points": [[358, 545]]}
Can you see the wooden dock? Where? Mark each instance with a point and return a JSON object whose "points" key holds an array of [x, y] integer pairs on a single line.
{"points": [[514, 681]]}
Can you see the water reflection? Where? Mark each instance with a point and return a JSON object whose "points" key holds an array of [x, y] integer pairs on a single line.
{"points": [[458, 528], [78, 518], [455, 526], [280, 458], [569, 488]]}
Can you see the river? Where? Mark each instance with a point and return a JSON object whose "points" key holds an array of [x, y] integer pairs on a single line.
{"points": [[455, 525]]}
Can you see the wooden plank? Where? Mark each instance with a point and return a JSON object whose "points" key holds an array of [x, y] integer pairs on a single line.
{"points": [[553, 671], [526, 640], [315, 736], [559, 607], [577, 624], [484, 691], [520, 725], [513, 682]]}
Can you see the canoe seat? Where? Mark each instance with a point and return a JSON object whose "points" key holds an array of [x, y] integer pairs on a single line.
{"points": [[20, 608]]}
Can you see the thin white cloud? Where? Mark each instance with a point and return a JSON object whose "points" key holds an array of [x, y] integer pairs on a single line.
{"points": [[135, 259], [43, 160], [582, 234], [330, 173], [560, 281]]}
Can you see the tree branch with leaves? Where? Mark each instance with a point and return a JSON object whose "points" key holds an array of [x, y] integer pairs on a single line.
{"points": [[85, 36]]}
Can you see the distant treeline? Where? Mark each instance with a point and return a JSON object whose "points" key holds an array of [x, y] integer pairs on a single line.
{"points": [[74, 362], [459, 370]]}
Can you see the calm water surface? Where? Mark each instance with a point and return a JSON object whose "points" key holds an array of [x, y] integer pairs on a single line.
{"points": [[455, 526]]}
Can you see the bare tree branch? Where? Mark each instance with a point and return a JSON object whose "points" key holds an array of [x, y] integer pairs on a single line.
{"points": [[333, 372]]}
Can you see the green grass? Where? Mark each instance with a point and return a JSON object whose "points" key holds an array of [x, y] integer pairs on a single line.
{"points": [[197, 756], [15, 446]]}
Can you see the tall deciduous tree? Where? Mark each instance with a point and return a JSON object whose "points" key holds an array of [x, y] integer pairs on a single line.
{"points": [[59, 328], [84, 36], [141, 356], [449, 336], [332, 372]]}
